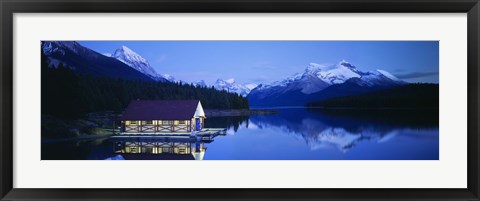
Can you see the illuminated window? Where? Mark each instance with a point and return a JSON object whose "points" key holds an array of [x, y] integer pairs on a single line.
{"points": [[133, 122], [167, 122], [150, 122], [182, 122], [133, 150]]}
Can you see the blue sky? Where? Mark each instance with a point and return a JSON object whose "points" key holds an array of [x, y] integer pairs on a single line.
{"points": [[268, 61]]}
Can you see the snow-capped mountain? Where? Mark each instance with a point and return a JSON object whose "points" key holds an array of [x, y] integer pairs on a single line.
{"points": [[231, 86], [168, 77], [200, 83], [317, 78], [137, 62], [333, 74], [60, 48], [86, 61], [134, 60]]}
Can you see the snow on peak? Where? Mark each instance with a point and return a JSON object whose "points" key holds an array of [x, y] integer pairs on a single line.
{"points": [[128, 51], [281, 83], [231, 86], [134, 60], [168, 77], [346, 64], [314, 67], [220, 83], [251, 86], [337, 74], [200, 83], [388, 75], [333, 74], [230, 81], [59, 47], [127, 55], [49, 48]]}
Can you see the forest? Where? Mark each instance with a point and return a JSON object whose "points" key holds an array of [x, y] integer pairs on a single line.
{"points": [[66, 94], [414, 96]]}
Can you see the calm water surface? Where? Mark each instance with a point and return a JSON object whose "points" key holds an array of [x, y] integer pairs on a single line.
{"points": [[296, 134]]}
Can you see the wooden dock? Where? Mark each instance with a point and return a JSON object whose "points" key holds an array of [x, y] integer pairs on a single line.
{"points": [[212, 131], [205, 134]]}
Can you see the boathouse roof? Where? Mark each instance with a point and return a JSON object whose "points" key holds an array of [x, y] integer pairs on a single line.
{"points": [[162, 110]]}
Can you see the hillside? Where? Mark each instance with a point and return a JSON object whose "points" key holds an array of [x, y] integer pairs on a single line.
{"points": [[68, 94], [408, 96]]}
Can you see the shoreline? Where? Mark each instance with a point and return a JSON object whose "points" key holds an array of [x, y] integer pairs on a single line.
{"points": [[238, 112], [81, 137], [371, 108], [346, 108]]}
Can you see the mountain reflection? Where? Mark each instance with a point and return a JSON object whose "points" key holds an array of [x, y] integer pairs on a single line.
{"points": [[344, 129], [290, 134]]}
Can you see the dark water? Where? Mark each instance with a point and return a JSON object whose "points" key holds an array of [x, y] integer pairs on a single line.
{"points": [[292, 134]]}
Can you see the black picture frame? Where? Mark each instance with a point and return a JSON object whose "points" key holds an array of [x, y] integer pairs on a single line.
{"points": [[10, 7]]}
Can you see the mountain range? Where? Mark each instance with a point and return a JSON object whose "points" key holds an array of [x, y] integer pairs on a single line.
{"points": [[319, 82], [86, 61], [134, 60], [232, 86]]}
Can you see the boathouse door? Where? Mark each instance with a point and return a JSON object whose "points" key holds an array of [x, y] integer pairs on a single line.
{"points": [[197, 124]]}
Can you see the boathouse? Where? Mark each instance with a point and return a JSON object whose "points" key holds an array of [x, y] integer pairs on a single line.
{"points": [[163, 116]]}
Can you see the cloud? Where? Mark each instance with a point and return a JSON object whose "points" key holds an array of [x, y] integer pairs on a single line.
{"points": [[416, 75]]}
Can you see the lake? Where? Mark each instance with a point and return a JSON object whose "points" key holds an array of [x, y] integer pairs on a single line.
{"points": [[290, 134]]}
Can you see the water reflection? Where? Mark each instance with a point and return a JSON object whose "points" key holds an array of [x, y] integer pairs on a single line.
{"points": [[315, 134], [344, 129], [291, 134], [159, 148], [232, 123]]}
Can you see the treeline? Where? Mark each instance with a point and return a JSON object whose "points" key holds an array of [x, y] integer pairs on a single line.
{"points": [[69, 95], [415, 96]]}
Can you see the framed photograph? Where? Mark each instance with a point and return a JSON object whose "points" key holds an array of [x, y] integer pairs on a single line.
{"points": [[240, 100]]}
